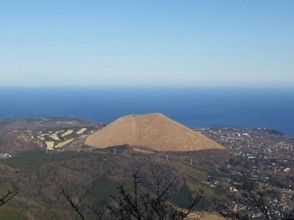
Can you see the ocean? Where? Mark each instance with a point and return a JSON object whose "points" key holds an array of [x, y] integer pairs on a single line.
{"points": [[196, 108]]}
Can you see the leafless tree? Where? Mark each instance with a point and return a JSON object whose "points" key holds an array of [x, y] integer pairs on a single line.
{"points": [[8, 196], [136, 204], [73, 205], [145, 206]]}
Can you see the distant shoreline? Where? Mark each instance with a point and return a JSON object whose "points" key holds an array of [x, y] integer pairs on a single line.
{"points": [[96, 123], [193, 107]]}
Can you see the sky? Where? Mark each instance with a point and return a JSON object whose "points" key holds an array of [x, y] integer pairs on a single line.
{"points": [[147, 43]]}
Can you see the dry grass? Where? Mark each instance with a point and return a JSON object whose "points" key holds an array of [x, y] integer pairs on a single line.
{"points": [[204, 216], [50, 145], [68, 132], [153, 131], [62, 144], [81, 131], [59, 138], [54, 136]]}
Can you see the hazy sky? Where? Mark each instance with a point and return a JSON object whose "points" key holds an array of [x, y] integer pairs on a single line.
{"points": [[143, 43]]}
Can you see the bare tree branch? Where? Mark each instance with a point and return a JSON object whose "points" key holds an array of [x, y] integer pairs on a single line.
{"points": [[137, 204], [72, 204], [8, 196]]}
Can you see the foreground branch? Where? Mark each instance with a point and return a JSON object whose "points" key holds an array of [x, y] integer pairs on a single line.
{"points": [[8, 196], [72, 204]]}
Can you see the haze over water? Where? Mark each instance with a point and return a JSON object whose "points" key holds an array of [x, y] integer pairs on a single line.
{"points": [[197, 108]]}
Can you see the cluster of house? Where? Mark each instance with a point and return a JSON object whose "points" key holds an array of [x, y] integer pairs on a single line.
{"points": [[261, 154]]}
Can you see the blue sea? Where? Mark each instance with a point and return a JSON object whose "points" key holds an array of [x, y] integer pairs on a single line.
{"points": [[197, 107]]}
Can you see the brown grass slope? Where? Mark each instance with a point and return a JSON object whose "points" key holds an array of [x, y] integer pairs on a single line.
{"points": [[154, 131]]}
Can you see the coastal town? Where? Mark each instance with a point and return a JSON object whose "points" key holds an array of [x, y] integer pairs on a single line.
{"points": [[260, 156], [266, 153]]}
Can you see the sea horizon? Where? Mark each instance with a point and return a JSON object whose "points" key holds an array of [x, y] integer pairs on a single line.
{"points": [[205, 107]]}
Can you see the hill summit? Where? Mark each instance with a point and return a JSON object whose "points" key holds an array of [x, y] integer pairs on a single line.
{"points": [[154, 131]]}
